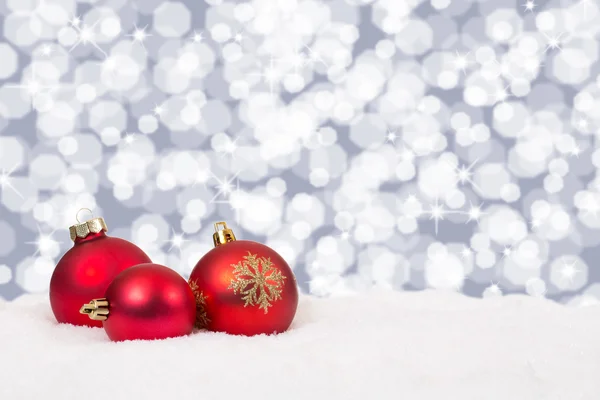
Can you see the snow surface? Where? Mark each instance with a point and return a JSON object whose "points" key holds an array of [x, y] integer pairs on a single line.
{"points": [[423, 345]]}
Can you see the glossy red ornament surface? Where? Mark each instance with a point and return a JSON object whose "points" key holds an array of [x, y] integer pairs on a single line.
{"points": [[221, 309], [149, 301], [86, 270]]}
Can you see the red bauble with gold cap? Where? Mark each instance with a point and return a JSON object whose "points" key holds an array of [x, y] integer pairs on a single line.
{"points": [[243, 287], [145, 302], [86, 270]]}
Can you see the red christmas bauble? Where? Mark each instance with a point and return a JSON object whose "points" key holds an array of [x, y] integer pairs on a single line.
{"points": [[86, 270], [243, 287], [147, 301]]}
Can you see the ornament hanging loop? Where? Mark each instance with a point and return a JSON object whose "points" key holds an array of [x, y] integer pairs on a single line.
{"points": [[83, 229], [83, 209], [96, 309], [222, 236]]}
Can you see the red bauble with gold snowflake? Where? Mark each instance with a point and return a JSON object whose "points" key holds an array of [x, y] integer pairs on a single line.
{"points": [[243, 287]]}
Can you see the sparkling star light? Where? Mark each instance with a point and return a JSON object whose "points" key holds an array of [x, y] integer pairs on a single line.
{"points": [[158, 110], [437, 213], [229, 148], [176, 241], [501, 94], [494, 288], [139, 35], [225, 187], [536, 222], [345, 235], [554, 42], [507, 252], [75, 21], [270, 75], [464, 173], [238, 37], [33, 87], [297, 59], [466, 252], [197, 37], [529, 5], [461, 62], [129, 138], [86, 35], [569, 270], [474, 213], [46, 50], [44, 242], [313, 57], [391, 137], [5, 178]]}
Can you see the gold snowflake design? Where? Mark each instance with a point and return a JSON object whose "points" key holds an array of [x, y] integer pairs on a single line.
{"points": [[202, 319], [258, 281]]}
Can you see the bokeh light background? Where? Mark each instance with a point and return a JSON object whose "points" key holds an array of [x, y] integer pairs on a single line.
{"points": [[448, 144]]}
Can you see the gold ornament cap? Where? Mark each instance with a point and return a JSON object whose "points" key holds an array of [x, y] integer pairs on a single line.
{"points": [[82, 229], [222, 236], [96, 309]]}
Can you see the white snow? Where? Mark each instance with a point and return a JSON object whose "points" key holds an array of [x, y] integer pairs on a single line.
{"points": [[415, 346]]}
